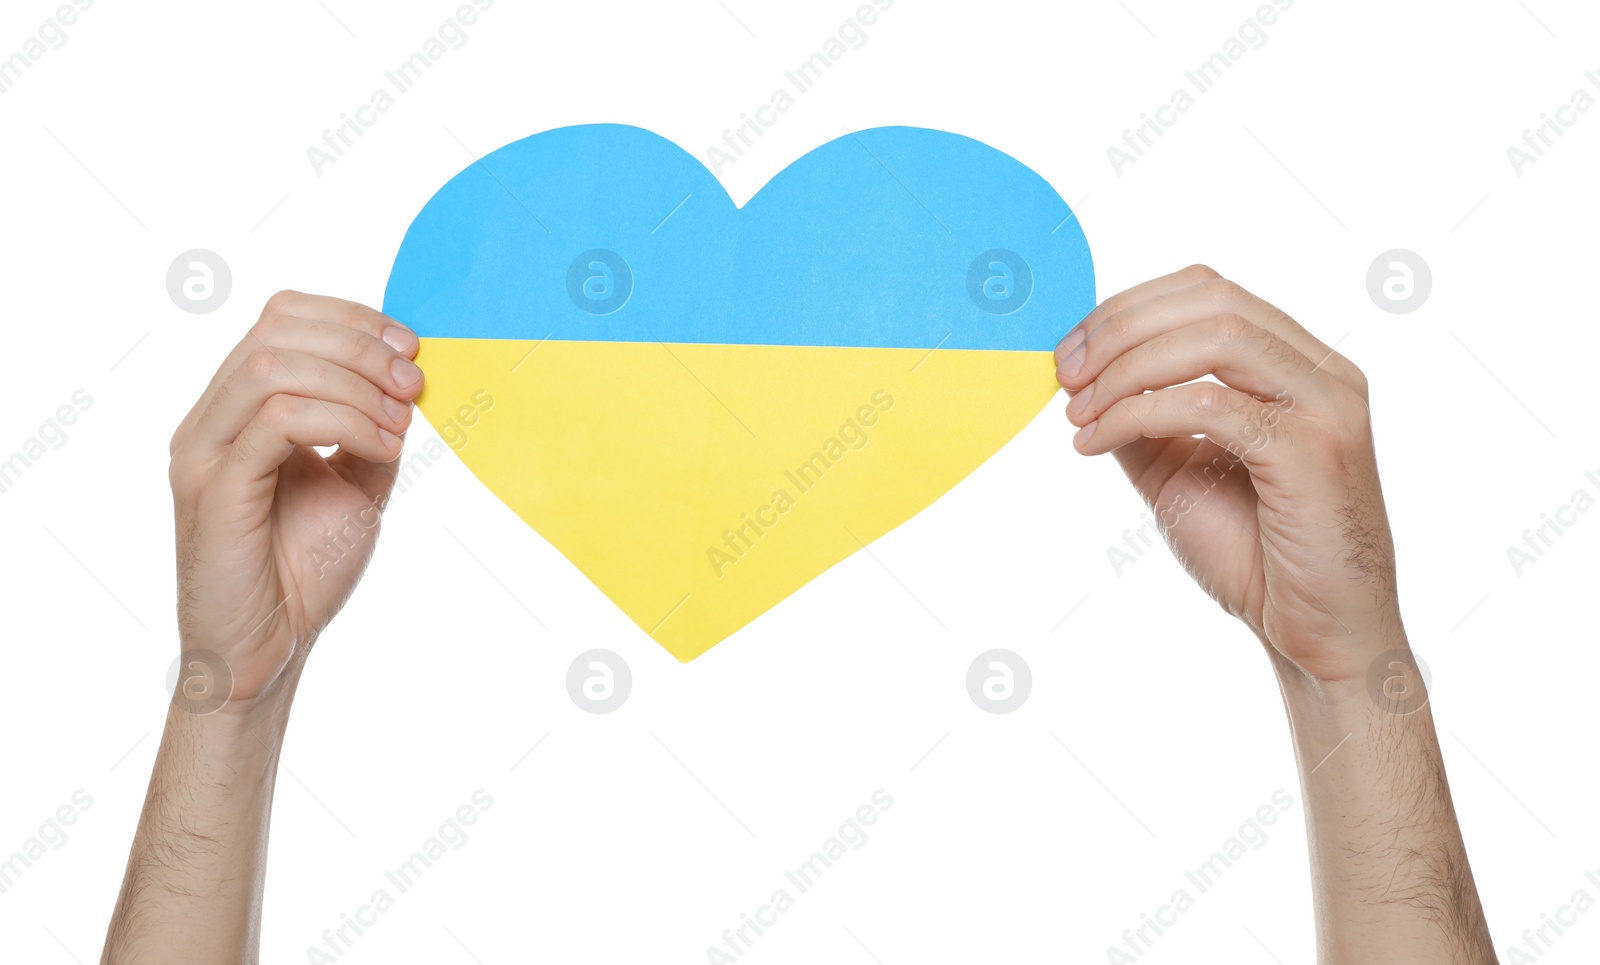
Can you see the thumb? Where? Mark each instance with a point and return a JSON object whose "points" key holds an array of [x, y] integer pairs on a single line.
{"points": [[374, 479]]}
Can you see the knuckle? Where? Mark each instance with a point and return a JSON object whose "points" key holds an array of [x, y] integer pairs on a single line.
{"points": [[360, 347], [1358, 380], [281, 302], [268, 328], [182, 479], [366, 317], [1200, 273], [1117, 329], [277, 412], [260, 365], [1211, 399], [1224, 292], [356, 316], [1231, 329]]}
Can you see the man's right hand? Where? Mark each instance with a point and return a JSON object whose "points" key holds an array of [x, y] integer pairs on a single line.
{"points": [[272, 536]]}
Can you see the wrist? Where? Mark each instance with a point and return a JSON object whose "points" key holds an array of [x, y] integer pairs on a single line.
{"points": [[1320, 709], [251, 686], [1344, 655], [231, 736], [234, 729], [1354, 727]]}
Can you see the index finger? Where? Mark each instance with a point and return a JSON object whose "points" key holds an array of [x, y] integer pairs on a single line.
{"points": [[279, 312], [338, 311], [1155, 288]]}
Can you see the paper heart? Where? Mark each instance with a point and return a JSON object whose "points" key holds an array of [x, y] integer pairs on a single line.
{"points": [[704, 407]]}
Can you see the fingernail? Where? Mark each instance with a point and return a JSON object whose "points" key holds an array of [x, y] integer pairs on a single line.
{"points": [[1082, 438], [1071, 355], [1080, 402], [399, 339], [395, 409], [405, 372], [389, 439]]}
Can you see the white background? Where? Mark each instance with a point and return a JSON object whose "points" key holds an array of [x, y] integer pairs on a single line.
{"points": [[1154, 728]]}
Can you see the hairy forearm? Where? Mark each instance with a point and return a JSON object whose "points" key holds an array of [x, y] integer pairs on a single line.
{"points": [[192, 892], [1391, 880]]}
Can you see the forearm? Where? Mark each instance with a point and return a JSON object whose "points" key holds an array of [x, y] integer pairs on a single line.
{"points": [[1391, 880], [192, 891]]}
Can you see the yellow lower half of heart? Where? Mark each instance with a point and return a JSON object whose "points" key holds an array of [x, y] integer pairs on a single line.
{"points": [[698, 485]]}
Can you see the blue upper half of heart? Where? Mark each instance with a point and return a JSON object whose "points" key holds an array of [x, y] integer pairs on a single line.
{"points": [[889, 238]]}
